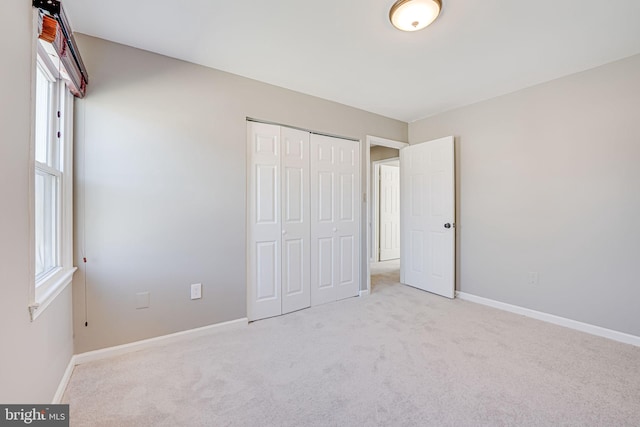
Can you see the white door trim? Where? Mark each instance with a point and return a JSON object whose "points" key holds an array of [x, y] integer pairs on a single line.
{"points": [[373, 140]]}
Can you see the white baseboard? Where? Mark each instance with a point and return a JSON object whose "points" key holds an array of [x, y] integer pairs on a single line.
{"points": [[118, 350], [364, 293], [557, 320], [105, 353], [57, 398]]}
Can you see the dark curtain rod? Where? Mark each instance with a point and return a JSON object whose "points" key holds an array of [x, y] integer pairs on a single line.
{"points": [[54, 8]]}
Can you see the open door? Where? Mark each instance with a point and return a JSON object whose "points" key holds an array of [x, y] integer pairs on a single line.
{"points": [[427, 227]]}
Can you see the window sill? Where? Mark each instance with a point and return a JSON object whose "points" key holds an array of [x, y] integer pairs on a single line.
{"points": [[47, 292]]}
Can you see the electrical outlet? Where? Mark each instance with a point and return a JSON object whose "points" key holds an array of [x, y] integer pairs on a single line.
{"points": [[533, 278], [196, 291], [142, 300]]}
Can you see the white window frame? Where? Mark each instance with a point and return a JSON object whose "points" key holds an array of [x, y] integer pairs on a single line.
{"points": [[44, 290]]}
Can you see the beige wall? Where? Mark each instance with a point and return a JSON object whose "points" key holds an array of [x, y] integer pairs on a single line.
{"points": [[379, 152], [549, 182], [160, 187], [33, 356]]}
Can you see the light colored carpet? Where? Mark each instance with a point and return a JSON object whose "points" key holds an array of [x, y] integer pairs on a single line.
{"points": [[400, 357], [384, 273]]}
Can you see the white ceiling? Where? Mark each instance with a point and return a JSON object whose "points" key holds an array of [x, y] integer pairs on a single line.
{"points": [[347, 51]]}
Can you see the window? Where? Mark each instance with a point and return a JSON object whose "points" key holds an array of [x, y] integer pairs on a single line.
{"points": [[48, 176], [52, 203]]}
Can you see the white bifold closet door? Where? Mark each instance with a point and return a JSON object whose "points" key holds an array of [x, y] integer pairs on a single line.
{"points": [[278, 222], [335, 219], [303, 222]]}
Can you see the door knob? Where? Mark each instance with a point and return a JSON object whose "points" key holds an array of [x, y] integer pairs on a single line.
{"points": [[284, 232], [447, 225], [335, 229]]}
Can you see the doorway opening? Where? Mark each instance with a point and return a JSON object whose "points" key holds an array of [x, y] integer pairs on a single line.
{"points": [[427, 216], [385, 198], [383, 211]]}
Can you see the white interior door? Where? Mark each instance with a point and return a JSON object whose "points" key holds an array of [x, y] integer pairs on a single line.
{"points": [[335, 219], [427, 187], [296, 230], [264, 222], [389, 202]]}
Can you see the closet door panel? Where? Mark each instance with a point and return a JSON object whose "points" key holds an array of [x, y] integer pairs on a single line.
{"points": [[266, 181], [347, 218], [335, 219], [264, 222], [325, 195], [267, 271], [323, 228], [325, 259], [296, 217]]}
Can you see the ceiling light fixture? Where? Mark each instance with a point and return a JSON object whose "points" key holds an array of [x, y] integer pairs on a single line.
{"points": [[414, 15]]}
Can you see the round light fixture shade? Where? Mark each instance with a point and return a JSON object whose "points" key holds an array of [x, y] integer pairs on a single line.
{"points": [[414, 15]]}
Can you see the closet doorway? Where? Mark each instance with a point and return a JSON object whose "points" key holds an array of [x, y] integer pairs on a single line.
{"points": [[303, 219]]}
